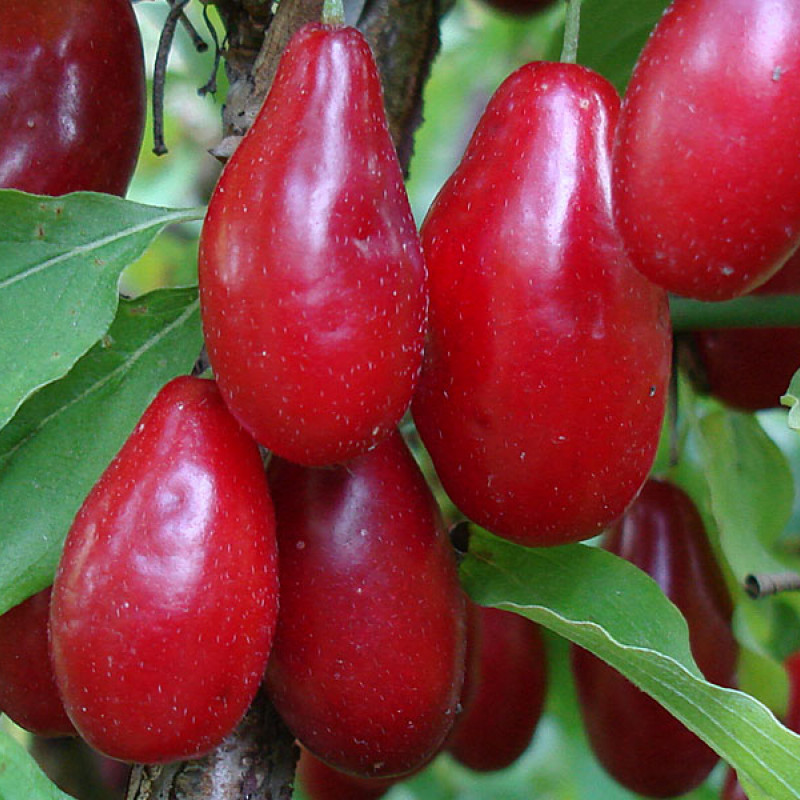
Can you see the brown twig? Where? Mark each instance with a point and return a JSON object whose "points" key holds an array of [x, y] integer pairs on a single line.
{"points": [[766, 584], [160, 72], [198, 42], [210, 86]]}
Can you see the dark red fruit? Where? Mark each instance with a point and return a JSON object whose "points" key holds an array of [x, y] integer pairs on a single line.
{"points": [[519, 8], [545, 373], [510, 684], [732, 789], [706, 174], [751, 368], [640, 743], [28, 693], [311, 277], [321, 782], [368, 659], [72, 95], [165, 599]]}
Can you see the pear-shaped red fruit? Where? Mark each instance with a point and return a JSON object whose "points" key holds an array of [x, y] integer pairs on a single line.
{"points": [[72, 95], [640, 743], [311, 276], [751, 368], [505, 698], [706, 173], [28, 693], [545, 374], [368, 659], [165, 599], [322, 782]]}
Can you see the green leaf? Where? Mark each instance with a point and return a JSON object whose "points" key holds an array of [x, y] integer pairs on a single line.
{"points": [[792, 400], [611, 608], [751, 489], [60, 262], [56, 447], [20, 776], [612, 35]]}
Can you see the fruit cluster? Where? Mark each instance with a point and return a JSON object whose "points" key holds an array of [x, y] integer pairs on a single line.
{"points": [[526, 328]]}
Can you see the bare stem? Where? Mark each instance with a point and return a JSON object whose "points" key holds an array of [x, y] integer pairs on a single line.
{"points": [[569, 52], [160, 73], [762, 311], [766, 584]]}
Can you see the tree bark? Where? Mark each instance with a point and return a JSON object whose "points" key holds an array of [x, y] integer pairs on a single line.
{"points": [[403, 35], [255, 762]]}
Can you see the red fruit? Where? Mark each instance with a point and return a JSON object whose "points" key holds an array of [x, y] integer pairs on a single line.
{"points": [[321, 782], [751, 368], [732, 790], [640, 743], [311, 277], [72, 95], [165, 599], [706, 174], [28, 693], [499, 720], [368, 659], [545, 373]]}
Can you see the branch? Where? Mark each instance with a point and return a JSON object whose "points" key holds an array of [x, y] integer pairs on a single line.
{"points": [[256, 762]]}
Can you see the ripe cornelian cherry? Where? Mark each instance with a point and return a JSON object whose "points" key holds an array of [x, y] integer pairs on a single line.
{"points": [[322, 782], [505, 698], [368, 659], [640, 743], [312, 281], [72, 95], [165, 599], [28, 693], [751, 368], [706, 176], [545, 373]]}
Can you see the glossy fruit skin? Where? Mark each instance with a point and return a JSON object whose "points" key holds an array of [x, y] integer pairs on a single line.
{"points": [[28, 693], [732, 789], [499, 720], [638, 742], [72, 95], [706, 175], [545, 372], [368, 659], [311, 276], [321, 782], [750, 369], [165, 599]]}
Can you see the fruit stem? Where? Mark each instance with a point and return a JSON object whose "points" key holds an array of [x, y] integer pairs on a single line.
{"points": [[569, 51], [764, 311], [333, 13], [766, 584]]}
